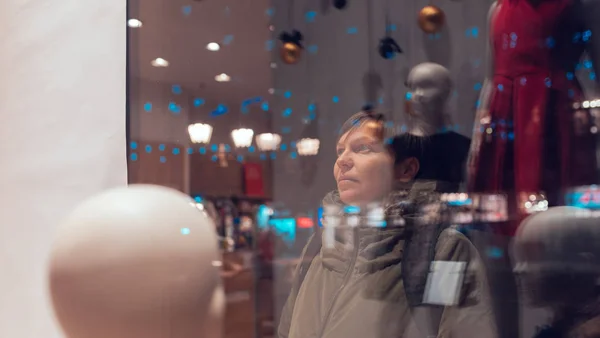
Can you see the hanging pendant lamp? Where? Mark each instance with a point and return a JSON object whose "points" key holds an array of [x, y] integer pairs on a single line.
{"points": [[200, 132]]}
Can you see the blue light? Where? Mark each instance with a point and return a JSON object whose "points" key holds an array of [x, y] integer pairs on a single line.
{"points": [[148, 148], [380, 100], [240, 158], [550, 42], [391, 28], [220, 110], [202, 150], [287, 94], [571, 93], [587, 64], [214, 158], [548, 82], [310, 16], [523, 81], [283, 147], [262, 216], [263, 157], [187, 10], [293, 144], [352, 30], [173, 107], [148, 106], [185, 231], [313, 49], [287, 112], [163, 159], [312, 107], [408, 95], [475, 32], [477, 86], [500, 87], [161, 147], [495, 252], [293, 155], [269, 45], [404, 128], [569, 76], [199, 102], [133, 145], [592, 76], [133, 156], [350, 209], [335, 99], [214, 148], [190, 150], [176, 151], [586, 35], [286, 130], [265, 106], [227, 148], [251, 149], [312, 116], [270, 11], [228, 39], [273, 156], [198, 199], [285, 228], [176, 89]]}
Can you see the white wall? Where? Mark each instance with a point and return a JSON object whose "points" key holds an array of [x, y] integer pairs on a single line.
{"points": [[62, 137]]}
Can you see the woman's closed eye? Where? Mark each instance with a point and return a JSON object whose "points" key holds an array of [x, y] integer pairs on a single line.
{"points": [[362, 148]]}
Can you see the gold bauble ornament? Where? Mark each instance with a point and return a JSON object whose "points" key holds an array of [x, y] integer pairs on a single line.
{"points": [[431, 19], [290, 53]]}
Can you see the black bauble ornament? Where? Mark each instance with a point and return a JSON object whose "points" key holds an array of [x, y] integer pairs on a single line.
{"points": [[340, 4], [388, 48]]}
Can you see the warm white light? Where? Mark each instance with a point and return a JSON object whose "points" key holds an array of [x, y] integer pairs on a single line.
{"points": [[200, 132], [308, 146], [213, 47], [160, 62], [222, 78], [134, 23], [271, 91], [242, 137], [268, 141]]}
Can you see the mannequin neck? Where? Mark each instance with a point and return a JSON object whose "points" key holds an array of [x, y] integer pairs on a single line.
{"points": [[420, 125]]}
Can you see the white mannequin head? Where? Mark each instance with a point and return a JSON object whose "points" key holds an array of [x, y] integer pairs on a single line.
{"points": [[137, 261], [430, 85]]}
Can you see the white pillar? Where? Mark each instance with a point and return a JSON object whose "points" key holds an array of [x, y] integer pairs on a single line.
{"points": [[62, 137]]}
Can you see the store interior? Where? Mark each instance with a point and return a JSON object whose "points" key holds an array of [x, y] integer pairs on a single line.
{"points": [[238, 104]]}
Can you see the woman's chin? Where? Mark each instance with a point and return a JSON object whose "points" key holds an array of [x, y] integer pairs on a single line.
{"points": [[350, 197]]}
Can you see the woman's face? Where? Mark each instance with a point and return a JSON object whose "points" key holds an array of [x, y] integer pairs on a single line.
{"points": [[364, 166]]}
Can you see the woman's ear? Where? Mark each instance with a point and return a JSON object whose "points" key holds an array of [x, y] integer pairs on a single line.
{"points": [[407, 170]]}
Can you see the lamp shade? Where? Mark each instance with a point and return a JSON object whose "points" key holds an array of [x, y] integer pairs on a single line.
{"points": [[308, 146], [268, 141], [242, 137], [200, 132]]}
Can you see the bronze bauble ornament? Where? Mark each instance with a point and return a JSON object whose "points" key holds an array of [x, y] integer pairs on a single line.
{"points": [[290, 53], [291, 48], [431, 19]]}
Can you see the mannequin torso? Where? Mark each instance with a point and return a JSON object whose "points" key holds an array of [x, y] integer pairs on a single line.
{"points": [[441, 153]]}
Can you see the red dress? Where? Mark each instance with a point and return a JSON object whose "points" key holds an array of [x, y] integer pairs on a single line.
{"points": [[531, 144]]}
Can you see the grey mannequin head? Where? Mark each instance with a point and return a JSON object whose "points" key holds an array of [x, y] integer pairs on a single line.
{"points": [[430, 85]]}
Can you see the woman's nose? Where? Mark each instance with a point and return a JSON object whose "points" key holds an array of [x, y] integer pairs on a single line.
{"points": [[344, 162]]}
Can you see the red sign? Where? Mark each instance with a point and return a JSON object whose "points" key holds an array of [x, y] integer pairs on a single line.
{"points": [[253, 180], [304, 222]]}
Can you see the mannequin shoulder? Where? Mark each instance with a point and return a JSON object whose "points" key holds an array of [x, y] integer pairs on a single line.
{"points": [[493, 8]]}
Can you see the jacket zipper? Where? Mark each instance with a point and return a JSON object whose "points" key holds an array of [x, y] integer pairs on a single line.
{"points": [[344, 282]]}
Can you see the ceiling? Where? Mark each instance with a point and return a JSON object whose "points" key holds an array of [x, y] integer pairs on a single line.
{"points": [[179, 30]]}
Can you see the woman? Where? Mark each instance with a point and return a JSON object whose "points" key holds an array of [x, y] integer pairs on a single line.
{"points": [[355, 287]]}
